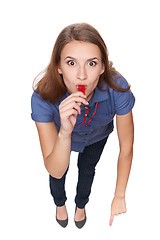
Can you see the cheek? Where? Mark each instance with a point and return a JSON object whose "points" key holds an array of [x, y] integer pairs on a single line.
{"points": [[68, 73], [68, 78], [65, 74], [95, 74]]}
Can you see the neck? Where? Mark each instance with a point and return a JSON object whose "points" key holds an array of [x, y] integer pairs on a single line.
{"points": [[90, 96]]}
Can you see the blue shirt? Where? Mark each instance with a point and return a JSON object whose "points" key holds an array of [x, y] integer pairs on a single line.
{"points": [[110, 102]]}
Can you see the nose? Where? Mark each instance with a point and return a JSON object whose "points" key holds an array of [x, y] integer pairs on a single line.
{"points": [[81, 73]]}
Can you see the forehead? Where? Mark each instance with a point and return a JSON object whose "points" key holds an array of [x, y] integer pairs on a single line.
{"points": [[79, 49]]}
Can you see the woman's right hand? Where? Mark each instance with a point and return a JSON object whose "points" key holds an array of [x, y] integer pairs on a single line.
{"points": [[69, 109]]}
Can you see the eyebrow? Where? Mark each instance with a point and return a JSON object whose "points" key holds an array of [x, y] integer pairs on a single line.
{"points": [[90, 59]]}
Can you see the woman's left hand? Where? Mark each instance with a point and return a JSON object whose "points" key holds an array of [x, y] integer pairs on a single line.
{"points": [[118, 207]]}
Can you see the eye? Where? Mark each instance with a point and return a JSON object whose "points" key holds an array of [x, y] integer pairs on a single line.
{"points": [[71, 63], [92, 63]]}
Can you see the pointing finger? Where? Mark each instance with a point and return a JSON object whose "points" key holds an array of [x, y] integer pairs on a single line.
{"points": [[111, 220]]}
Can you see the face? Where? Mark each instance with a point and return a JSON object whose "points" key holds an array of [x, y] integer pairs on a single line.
{"points": [[81, 64]]}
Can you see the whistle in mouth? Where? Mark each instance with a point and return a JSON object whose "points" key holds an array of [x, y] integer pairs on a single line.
{"points": [[81, 88]]}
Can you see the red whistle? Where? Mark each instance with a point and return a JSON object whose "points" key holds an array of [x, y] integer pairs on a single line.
{"points": [[81, 88]]}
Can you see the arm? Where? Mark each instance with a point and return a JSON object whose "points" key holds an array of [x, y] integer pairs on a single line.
{"points": [[55, 148], [125, 130]]}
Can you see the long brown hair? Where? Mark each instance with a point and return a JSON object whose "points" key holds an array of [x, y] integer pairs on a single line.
{"points": [[51, 86]]}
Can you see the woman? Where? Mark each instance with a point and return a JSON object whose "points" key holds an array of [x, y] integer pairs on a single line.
{"points": [[69, 118]]}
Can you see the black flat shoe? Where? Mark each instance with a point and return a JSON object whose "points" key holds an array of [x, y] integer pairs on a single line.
{"points": [[80, 224], [62, 223]]}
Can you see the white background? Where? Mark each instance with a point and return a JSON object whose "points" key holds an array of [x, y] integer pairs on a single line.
{"points": [[28, 32]]}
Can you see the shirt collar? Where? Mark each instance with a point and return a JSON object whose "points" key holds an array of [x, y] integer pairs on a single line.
{"points": [[99, 96]]}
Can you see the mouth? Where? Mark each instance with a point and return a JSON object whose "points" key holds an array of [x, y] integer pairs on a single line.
{"points": [[81, 88]]}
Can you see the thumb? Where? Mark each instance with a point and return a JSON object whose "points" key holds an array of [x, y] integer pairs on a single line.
{"points": [[111, 220]]}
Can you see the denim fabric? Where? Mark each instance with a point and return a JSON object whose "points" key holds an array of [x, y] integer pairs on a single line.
{"points": [[87, 161]]}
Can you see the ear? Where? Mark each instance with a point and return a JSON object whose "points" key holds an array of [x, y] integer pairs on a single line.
{"points": [[59, 70], [103, 69]]}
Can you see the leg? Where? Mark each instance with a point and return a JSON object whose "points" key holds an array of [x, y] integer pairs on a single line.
{"points": [[57, 189], [87, 161]]}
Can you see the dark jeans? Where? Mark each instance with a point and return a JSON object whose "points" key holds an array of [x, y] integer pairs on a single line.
{"points": [[87, 161]]}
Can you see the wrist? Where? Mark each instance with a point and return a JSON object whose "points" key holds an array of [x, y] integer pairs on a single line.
{"points": [[119, 195], [64, 134]]}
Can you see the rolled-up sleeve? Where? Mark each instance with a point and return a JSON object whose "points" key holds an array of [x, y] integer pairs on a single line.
{"points": [[124, 101], [41, 110]]}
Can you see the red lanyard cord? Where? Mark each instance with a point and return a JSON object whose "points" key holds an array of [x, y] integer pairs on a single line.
{"points": [[85, 116]]}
